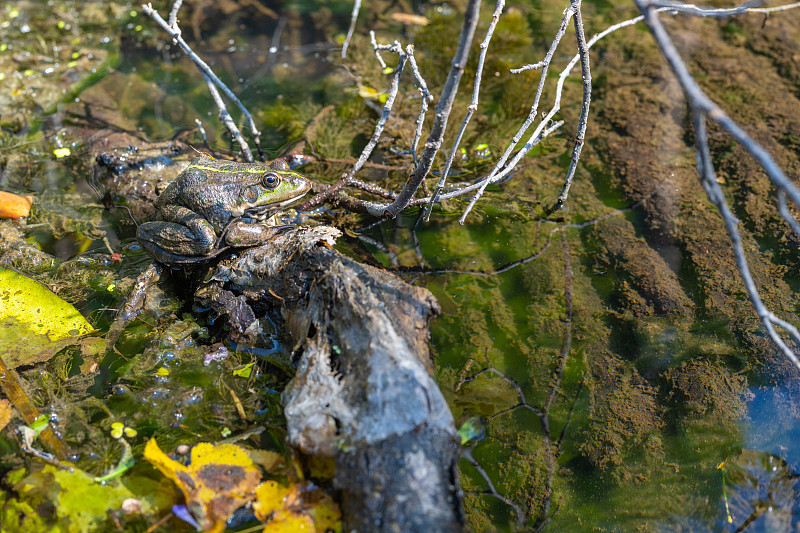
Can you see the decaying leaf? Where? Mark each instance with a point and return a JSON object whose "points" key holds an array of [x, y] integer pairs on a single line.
{"points": [[295, 508], [5, 413], [410, 19], [219, 480], [34, 323]]}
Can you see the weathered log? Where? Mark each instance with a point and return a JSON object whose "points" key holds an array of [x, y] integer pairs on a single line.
{"points": [[363, 392]]}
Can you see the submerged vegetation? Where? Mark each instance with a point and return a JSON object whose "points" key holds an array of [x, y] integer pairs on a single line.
{"points": [[604, 362]]}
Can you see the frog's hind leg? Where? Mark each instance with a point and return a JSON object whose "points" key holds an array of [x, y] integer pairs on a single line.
{"points": [[181, 231]]}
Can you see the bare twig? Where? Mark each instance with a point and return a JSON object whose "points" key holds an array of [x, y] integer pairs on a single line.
{"points": [[493, 178], [586, 77], [550, 451], [173, 15], [473, 106], [276, 41], [496, 174], [422, 87], [425, 98], [226, 119], [352, 28], [532, 115], [204, 136], [376, 134], [703, 107], [443, 109], [469, 188], [211, 78], [405, 56], [692, 9], [467, 454]]}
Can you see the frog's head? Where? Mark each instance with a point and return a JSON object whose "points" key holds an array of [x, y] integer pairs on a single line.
{"points": [[270, 188]]}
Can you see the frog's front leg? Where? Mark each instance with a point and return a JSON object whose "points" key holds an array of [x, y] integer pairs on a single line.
{"points": [[241, 234], [179, 232]]}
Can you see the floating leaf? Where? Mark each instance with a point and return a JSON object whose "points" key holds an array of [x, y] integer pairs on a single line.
{"points": [[34, 323], [14, 205], [61, 152], [245, 371], [218, 480], [471, 430], [77, 502], [371, 94], [40, 424]]}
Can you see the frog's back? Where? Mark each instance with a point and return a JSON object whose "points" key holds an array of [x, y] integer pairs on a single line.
{"points": [[188, 179]]}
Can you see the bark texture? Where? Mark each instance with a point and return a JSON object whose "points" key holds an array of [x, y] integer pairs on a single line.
{"points": [[363, 392]]}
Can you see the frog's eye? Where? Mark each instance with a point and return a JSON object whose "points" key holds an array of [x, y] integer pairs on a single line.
{"points": [[271, 180]]}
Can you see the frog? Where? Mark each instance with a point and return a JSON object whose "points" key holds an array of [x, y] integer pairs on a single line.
{"points": [[215, 205]]}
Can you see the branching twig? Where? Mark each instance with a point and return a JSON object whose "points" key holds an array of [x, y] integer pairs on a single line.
{"points": [[226, 119], [403, 56], [544, 65], [443, 109], [473, 106], [543, 413], [467, 454], [425, 98], [702, 106], [442, 112]]}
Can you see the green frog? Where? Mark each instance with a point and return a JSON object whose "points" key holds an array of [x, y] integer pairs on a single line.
{"points": [[214, 205]]}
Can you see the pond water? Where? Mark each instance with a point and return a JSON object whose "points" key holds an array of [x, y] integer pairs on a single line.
{"points": [[608, 354]]}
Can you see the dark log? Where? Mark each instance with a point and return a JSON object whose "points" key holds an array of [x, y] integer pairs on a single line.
{"points": [[363, 392]]}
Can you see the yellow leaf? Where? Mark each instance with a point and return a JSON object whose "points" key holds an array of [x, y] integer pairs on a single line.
{"points": [[5, 413], [34, 322], [245, 371], [370, 94], [286, 522], [32, 303], [270, 497], [296, 506], [326, 514], [219, 480]]}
